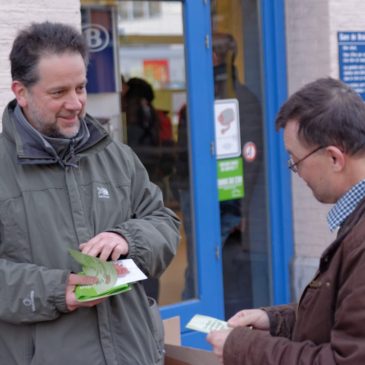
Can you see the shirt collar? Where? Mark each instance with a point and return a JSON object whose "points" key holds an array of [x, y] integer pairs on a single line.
{"points": [[345, 205]]}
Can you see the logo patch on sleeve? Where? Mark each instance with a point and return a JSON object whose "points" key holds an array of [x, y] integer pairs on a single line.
{"points": [[103, 193]]}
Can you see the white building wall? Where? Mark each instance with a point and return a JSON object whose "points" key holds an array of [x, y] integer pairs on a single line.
{"points": [[312, 52], [15, 14]]}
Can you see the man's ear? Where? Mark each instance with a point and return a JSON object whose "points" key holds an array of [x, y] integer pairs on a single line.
{"points": [[337, 158], [20, 92]]}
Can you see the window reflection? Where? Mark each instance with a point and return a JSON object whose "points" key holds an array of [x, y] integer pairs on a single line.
{"points": [[244, 236], [128, 10], [155, 118]]}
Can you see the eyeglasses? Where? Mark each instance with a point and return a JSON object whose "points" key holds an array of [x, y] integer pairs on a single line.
{"points": [[293, 166]]}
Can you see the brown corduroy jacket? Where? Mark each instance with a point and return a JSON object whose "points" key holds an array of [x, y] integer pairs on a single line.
{"points": [[327, 327]]}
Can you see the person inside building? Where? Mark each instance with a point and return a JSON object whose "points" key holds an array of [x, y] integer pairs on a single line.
{"points": [[324, 134], [66, 184], [149, 134], [237, 215], [240, 216], [149, 130]]}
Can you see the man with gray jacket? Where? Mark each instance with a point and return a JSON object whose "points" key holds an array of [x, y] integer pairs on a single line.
{"points": [[66, 184]]}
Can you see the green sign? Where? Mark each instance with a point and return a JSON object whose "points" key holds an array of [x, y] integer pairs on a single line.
{"points": [[230, 179]]}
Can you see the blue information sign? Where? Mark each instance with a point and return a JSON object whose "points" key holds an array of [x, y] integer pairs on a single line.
{"points": [[97, 27], [351, 53]]}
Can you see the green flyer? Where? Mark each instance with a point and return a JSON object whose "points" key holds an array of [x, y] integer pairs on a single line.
{"points": [[114, 277], [230, 179]]}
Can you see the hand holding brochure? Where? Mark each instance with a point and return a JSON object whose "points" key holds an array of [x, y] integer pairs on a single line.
{"points": [[206, 324], [114, 276]]}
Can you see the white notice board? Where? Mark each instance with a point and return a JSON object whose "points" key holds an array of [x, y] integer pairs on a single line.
{"points": [[227, 128]]}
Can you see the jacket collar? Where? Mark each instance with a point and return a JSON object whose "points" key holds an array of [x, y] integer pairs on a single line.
{"points": [[34, 148], [355, 218]]}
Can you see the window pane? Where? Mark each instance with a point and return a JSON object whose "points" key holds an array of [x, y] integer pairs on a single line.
{"points": [[244, 233], [138, 9], [156, 119], [154, 8]]}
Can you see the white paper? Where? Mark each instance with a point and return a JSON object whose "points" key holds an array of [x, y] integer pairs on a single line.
{"points": [[206, 324]]}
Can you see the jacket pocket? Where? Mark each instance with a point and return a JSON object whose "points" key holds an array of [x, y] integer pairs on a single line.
{"points": [[13, 237], [311, 294], [16, 344], [158, 330]]}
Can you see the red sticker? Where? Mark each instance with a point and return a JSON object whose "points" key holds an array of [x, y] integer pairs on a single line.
{"points": [[249, 151]]}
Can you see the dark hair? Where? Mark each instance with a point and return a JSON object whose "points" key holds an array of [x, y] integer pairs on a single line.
{"points": [[329, 112], [40, 39], [139, 88]]}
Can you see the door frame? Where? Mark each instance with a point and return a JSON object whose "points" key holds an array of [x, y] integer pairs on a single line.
{"points": [[279, 178], [200, 96]]}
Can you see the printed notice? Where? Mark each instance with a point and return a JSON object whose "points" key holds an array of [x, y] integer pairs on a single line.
{"points": [[351, 57], [227, 128], [230, 179]]}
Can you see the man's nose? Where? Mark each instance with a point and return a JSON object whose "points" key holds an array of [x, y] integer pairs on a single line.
{"points": [[74, 101]]}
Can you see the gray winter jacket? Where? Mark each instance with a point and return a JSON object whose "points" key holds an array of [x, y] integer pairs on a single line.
{"points": [[45, 209]]}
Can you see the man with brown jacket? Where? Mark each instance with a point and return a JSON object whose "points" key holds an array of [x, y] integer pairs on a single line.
{"points": [[324, 134]]}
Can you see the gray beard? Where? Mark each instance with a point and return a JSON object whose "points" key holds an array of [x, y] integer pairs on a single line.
{"points": [[55, 133]]}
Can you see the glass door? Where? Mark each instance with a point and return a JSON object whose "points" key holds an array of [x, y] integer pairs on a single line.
{"points": [[154, 117], [161, 105], [245, 234], [159, 72]]}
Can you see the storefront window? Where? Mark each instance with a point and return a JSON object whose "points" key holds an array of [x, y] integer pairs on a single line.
{"points": [[129, 10], [147, 108], [154, 111]]}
